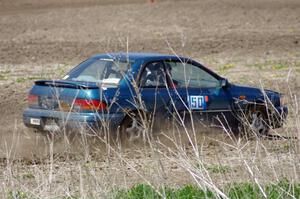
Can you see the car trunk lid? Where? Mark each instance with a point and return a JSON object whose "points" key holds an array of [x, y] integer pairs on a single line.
{"points": [[66, 95], [67, 84]]}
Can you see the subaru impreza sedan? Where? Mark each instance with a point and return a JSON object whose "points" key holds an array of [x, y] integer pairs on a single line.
{"points": [[117, 90]]}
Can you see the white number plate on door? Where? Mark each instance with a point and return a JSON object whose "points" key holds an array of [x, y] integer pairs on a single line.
{"points": [[197, 102]]}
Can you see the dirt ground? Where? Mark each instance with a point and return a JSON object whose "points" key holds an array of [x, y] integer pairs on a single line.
{"points": [[253, 42]]}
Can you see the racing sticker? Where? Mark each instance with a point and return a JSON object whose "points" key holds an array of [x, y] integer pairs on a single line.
{"points": [[197, 102]]}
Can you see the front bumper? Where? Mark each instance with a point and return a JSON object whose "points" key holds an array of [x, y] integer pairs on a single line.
{"points": [[70, 120]]}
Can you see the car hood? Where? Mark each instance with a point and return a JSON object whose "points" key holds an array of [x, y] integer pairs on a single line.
{"points": [[254, 94]]}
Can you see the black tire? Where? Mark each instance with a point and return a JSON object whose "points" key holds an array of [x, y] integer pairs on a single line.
{"points": [[256, 121], [133, 128]]}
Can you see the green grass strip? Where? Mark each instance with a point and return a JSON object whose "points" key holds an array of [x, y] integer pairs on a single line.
{"points": [[283, 189]]}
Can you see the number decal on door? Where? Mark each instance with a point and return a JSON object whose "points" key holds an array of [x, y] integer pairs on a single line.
{"points": [[197, 102]]}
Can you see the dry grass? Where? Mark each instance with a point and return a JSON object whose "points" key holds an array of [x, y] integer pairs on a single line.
{"points": [[250, 42]]}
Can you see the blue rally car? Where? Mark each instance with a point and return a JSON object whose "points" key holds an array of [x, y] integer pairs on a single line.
{"points": [[112, 90]]}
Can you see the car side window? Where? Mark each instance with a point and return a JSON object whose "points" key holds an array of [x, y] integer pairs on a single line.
{"points": [[189, 75], [153, 75]]}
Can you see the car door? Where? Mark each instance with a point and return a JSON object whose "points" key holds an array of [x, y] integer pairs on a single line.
{"points": [[198, 91], [153, 87]]}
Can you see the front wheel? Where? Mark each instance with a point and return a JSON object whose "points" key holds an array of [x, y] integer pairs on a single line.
{"points": [[257, 121]]}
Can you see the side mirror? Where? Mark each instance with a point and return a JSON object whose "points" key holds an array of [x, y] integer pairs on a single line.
{"points": [[224, 83]]}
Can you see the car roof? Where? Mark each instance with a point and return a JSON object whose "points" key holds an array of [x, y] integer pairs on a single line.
{"points": [[142, 56], [134, 56]]}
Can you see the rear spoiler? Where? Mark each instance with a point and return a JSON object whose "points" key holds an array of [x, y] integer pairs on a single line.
{"points": [[66, 84]]}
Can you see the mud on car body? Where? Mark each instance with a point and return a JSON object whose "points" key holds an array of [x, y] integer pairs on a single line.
{"points": [[110, 90]]}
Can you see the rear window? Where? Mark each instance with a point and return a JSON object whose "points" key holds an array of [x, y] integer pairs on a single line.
{"points": [[99, 70]]}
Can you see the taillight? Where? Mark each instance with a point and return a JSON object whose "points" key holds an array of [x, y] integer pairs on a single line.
{"points": [[90, 105], [32, 100]]}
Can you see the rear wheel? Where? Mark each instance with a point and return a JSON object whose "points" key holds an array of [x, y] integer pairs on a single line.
{"points": [[133, 128]]}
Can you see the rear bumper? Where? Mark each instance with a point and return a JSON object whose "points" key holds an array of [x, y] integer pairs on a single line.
{"points": [[71, 120], [278, 116]]}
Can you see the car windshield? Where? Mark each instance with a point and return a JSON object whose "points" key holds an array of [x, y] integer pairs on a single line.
{"points": [[99, 71]]}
